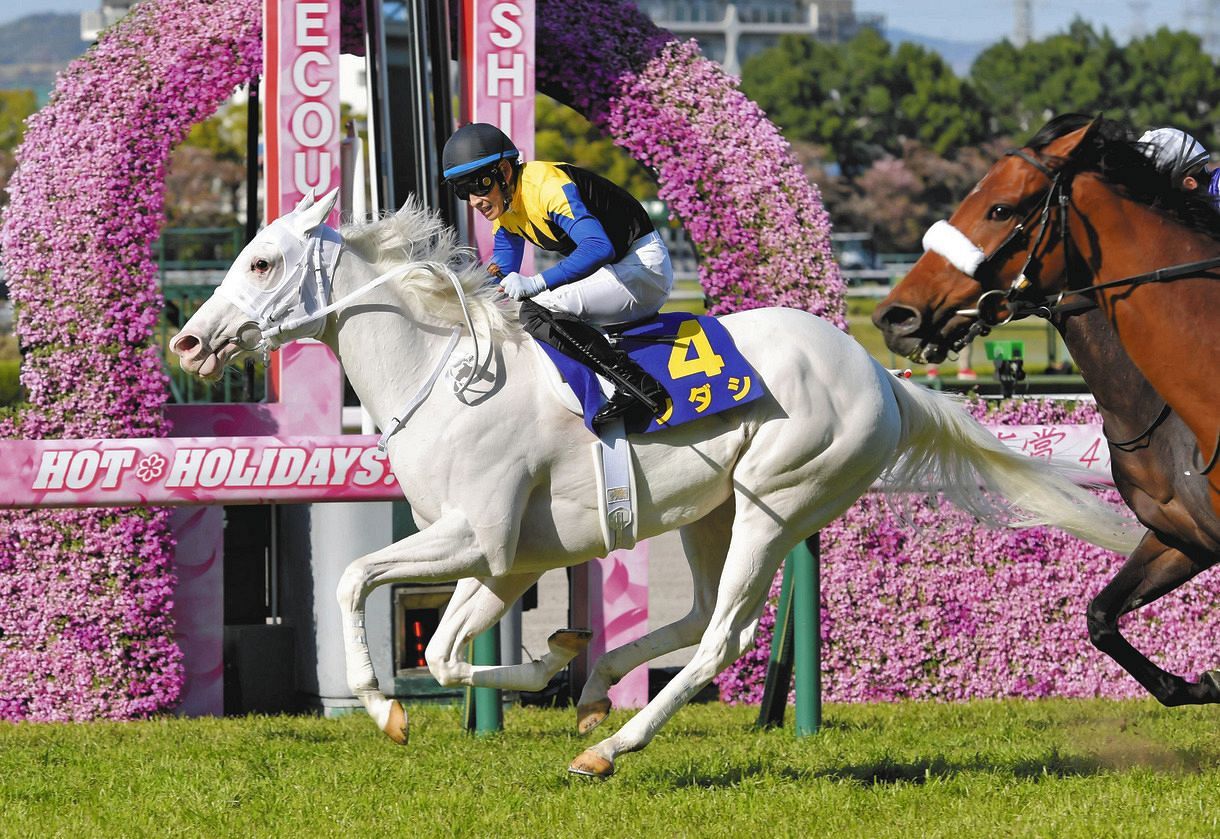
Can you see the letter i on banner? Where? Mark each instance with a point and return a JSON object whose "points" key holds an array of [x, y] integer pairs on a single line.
{"points": [[498, 82], [301, 96]]}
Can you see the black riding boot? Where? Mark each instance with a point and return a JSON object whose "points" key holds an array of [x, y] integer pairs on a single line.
{"points": [[582, 342]]}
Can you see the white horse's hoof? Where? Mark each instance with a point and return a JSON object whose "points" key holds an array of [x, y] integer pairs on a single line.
{"points": [[396, 727], [569, 642], [590, 764], [590, 715]]}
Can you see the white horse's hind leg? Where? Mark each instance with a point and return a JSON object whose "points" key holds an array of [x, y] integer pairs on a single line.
{"points": [[476, 605], [706, 542], [777, 510]]}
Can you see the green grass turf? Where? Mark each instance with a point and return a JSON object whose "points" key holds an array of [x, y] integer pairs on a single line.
{"points": [[980, 769]]}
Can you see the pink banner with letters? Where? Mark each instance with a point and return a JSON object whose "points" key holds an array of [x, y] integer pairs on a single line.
{"points": [[301, 110], [498, 81], [194, 470], [1082, 446]]}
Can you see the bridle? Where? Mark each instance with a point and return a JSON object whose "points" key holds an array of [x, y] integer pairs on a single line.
{"points": [[999, 306], [298, 307]]}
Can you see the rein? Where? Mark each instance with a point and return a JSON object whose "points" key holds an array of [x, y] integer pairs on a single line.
{"points": [[996, 307]]}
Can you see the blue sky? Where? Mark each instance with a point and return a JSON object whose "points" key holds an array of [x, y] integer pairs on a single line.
{"points": [[990, 20], [957, 20]]}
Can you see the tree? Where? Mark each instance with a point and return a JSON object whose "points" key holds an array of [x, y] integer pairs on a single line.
{"points": [[1172, 82], [897, 198], [1075, 71], [207, 172], [16, 106], [561, 134], [862, 99], [1163, 79]]}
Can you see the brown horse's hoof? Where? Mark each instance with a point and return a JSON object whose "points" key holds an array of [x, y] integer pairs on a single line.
{"points": [[590, 764], [591, 715], [569, 641], [396, 727]]}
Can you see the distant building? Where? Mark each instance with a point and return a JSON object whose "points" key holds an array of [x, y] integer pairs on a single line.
{"points": [[732, 32], [107, 14]]}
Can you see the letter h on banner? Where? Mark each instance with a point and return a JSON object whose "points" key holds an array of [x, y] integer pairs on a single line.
{"points": [[498, 82]]}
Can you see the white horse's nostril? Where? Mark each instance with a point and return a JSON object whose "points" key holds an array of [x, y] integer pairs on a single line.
{"points": [[183, 344]]}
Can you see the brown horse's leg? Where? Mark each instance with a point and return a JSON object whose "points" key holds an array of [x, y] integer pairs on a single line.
{"points": [[1152, 570]]}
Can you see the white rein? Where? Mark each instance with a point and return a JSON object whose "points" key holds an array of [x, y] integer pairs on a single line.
{"points": [[273, 311]]}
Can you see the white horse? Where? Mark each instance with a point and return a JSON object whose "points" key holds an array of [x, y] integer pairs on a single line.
{"points": [[500, 479]]}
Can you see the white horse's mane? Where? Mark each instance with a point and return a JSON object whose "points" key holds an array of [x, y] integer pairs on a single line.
{"points": [[417, 240]]}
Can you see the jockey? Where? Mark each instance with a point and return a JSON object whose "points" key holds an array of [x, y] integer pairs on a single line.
{"points": [[1184, 159], [615, 268]]}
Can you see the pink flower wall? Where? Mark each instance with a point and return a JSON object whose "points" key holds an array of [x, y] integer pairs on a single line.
{"points": [[85, 595], [947, 610]]}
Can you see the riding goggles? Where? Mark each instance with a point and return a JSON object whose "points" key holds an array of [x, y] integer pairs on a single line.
{"points": [[480, 184]]}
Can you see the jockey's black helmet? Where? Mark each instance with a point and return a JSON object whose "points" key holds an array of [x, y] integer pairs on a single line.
{"points": [[475, 147]]}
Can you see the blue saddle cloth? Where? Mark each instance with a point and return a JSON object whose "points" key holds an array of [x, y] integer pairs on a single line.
{"points": [[692, 356]]}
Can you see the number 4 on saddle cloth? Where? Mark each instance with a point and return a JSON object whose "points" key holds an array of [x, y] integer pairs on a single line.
{"points": [[692, 356]]}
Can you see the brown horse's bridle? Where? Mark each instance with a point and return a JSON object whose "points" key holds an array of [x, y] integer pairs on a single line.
{"points": [[997, 306]]}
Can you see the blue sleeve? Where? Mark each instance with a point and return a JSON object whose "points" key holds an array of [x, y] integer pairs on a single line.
{"points": [[508, 249], [593, 247]]}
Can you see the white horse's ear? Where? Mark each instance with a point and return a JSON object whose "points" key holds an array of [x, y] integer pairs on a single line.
{"points": [[306, 219], [306, 202]]}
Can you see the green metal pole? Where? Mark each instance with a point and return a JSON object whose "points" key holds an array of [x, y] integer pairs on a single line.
{"points": [[488, 712], [807, 596], [779, 667]]}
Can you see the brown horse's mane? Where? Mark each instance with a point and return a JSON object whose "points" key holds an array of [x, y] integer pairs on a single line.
{"points": [[1114, 152]]}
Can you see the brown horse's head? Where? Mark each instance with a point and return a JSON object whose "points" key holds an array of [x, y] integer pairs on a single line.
{"points": [[1008, 225]]}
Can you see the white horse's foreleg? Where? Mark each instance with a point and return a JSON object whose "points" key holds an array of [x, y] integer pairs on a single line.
{"points": [[446, 550], [706, 542], [474, 608]]}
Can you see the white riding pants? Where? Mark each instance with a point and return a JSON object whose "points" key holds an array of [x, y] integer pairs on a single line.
{"points": [[634, 288]]}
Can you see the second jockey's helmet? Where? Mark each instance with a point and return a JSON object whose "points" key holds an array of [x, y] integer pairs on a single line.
{"points": [[1174, 151]]}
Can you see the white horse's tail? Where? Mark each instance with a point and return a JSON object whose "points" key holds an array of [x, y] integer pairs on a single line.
{"points": [[945, 448]]}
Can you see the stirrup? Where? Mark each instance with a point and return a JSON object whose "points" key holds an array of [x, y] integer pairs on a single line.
{"points": [[619, 404], [623, 401]]}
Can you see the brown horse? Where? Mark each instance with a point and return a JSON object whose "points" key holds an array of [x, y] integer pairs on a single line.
{"points": [[1081, 228]]}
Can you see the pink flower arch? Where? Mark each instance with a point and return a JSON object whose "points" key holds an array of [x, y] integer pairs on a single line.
{"points": [[85, 594]]}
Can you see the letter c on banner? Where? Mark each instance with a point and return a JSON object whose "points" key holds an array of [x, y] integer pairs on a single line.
{"points": [[300, 78]]}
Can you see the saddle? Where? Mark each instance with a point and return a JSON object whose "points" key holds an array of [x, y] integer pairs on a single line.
{"points": [[692, 356]]}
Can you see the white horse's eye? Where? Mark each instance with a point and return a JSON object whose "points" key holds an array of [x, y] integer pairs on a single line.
{"points": [[260, 266]]}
